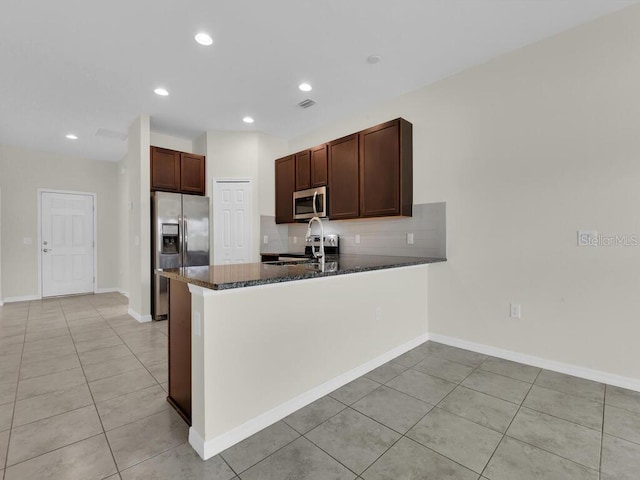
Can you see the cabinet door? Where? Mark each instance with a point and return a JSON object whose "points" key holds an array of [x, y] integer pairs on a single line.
{"points": [[343, 178], [285, 186], [386, 169], [380, 170], [165, 169], [319, 166], [303, 170], [192, 173]]}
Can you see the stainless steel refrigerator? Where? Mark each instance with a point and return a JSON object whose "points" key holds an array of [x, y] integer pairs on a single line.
{"points": [[179, 238]]}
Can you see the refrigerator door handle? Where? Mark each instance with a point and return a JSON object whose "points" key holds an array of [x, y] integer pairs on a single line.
{"points": [[180, 239], [186, 241]]}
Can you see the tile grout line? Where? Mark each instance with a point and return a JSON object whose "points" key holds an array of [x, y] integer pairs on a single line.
{"points": [[403, 435], [154, 378], [262, 459], [55, 450], [604, 407], [457, 384], [504, 434], [458, 416], [91, 393], [15, 397], [95, 407], [419, 420]]}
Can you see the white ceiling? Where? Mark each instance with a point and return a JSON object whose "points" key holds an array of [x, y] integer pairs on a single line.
{"points": [[80, 65]]}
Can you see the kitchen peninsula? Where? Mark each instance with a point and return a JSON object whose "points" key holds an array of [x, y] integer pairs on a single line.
{"points": [[267, 339]]}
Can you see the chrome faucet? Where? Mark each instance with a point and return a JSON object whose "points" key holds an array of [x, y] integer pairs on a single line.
{"points": [[319, 254]]}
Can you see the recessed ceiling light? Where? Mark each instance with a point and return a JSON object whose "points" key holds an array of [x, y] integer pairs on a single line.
{"points": [[372, 59], [71, 136], [305, 87], [204, 39], [161, 91], [247, 120]]}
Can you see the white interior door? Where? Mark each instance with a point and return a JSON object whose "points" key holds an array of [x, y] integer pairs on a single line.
{"points": [[232, 222], [67, 243]]}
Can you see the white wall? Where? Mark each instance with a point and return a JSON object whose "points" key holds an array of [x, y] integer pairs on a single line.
{"points": [[244, 155], [139, 267], [1, 297], [123, 226], [269, 148], [284, 358], [24, 171], [172, 143], [525, 150]]}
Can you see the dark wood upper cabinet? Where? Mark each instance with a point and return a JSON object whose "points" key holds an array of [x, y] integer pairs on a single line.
{"points": [[303, 170], [344, 196], [319, 172], [173, 171], [368, 174], [386, 180], [165, 169], [192, 173], [285, 186]]}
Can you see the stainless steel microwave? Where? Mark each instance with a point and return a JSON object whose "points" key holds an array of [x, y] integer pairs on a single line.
{"points": [[310, 203]]}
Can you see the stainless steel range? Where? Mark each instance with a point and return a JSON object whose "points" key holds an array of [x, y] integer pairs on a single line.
{"points": [[331, 244]]}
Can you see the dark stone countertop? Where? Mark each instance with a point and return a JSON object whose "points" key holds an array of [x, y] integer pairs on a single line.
{"points": [[223, 277]]}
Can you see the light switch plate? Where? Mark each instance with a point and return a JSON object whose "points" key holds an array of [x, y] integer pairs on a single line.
{"points": [[357, 239], [27, 240], [410, 238], [265, 239]]}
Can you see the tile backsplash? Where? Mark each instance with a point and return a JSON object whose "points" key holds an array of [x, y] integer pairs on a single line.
{"points": [[378, 236], [277, 235]]}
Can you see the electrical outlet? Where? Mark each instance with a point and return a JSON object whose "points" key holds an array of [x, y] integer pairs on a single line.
{"points": [[377, 313], [515, 311], [357, 239], [265, 239], [410, 238]]}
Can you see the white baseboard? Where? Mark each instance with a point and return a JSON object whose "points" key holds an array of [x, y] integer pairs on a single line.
{"points": [[25, 298], [112, 290], [208, 448], [105, 290], [138, 317], [561, 367]]}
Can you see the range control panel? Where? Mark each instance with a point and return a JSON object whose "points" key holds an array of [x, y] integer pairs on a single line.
{"points": [[331, 244]]}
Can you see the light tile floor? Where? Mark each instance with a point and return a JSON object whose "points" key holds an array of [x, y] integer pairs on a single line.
{"points": [[82, 396]]}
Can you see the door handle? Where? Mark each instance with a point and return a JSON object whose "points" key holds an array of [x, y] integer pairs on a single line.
{"points": [[45, 250], [186, 237]]}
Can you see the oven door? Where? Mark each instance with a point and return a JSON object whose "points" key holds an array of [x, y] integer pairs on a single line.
{"points": [[310, 203]]}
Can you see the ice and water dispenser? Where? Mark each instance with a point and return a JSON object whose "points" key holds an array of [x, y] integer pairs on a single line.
{"points": [[170, 238]]}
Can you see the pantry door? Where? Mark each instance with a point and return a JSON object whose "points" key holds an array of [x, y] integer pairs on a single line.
{"points": [[232, 221], [67, 243]]}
